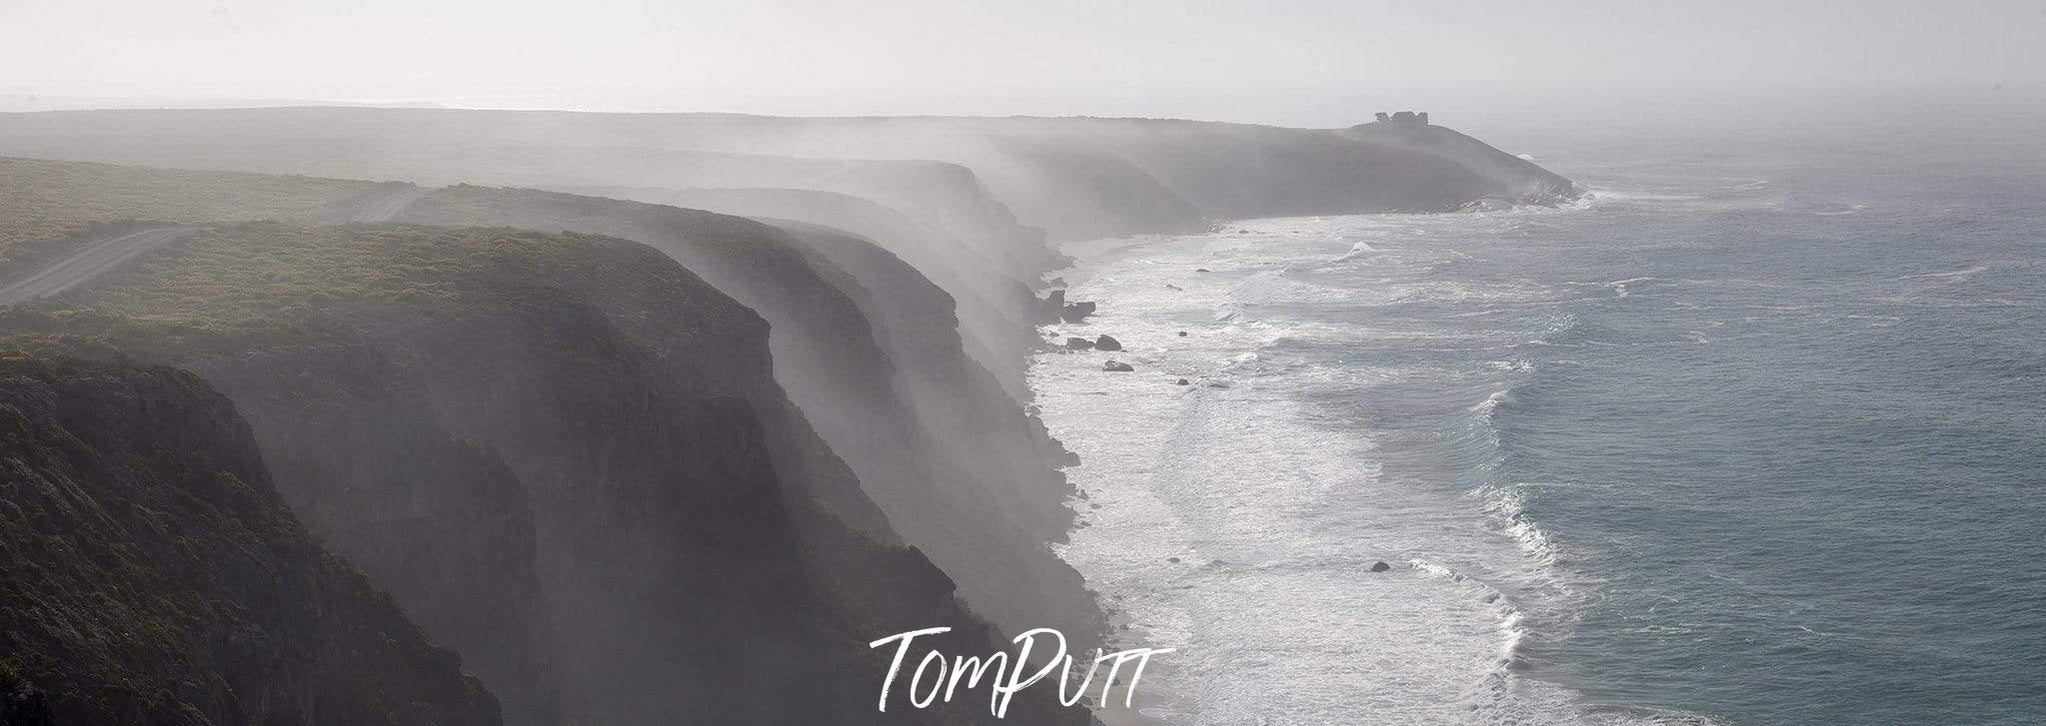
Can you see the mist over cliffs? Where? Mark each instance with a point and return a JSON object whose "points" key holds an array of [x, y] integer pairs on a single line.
{"points": [[601, 418]]}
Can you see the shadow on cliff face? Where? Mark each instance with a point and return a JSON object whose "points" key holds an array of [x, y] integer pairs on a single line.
{"points": [[154, 575], [695, 547], [994, 310], [367, 462], [870, 356]]}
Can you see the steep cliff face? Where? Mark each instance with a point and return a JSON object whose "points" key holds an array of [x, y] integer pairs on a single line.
{"points": [[374, 455], [688, 545], [984, 522], [995, 312], [363, 457], [1081, 191], [993, 500], [823, 348], [154, 576], [960, 407]]}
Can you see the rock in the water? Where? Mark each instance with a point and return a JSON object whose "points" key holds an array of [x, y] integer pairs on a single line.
{"points": [[1200, 269], [1079, 344], [1053, 306], [1107, 342], [1182, 333], [1183, 382], [1380, 567], [1117, 367], [1076, 312]]}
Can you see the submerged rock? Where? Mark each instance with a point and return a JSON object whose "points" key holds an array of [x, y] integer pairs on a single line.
{"points": [[1117, 367], [1182, 333], [1107, 342]]}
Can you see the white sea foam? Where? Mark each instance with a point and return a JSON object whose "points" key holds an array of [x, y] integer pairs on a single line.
{"points": [[1275, 513], [1636, 195]]}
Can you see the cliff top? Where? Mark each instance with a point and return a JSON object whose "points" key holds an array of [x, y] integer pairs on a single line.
{"points": [[267, 283]]}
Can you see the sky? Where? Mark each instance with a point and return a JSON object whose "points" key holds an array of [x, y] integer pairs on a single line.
{"points": [[1299, 62]]}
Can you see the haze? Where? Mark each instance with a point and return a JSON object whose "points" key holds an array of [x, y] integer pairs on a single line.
{"points": [[1297, 62]]}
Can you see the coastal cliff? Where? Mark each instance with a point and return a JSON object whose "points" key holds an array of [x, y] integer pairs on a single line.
{"points": [[844, 345], [632, 459], [681, 512], [994, 311], [154, 575], [1075, 178]]}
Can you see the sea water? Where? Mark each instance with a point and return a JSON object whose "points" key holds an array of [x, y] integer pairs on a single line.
{"points": [[1754, 434]]}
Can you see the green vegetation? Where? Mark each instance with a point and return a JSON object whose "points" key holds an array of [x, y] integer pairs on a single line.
{"points": [[23, 244], [471, 205], [49, 206], [37, 191], [153, 576], [266, 283]]}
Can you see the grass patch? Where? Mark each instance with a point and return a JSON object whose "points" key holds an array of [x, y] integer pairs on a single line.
{"points": [[262, 284], [40, 191]]}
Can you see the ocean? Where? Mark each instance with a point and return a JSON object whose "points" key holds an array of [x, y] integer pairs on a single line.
{"points": [[1754, 434]]}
